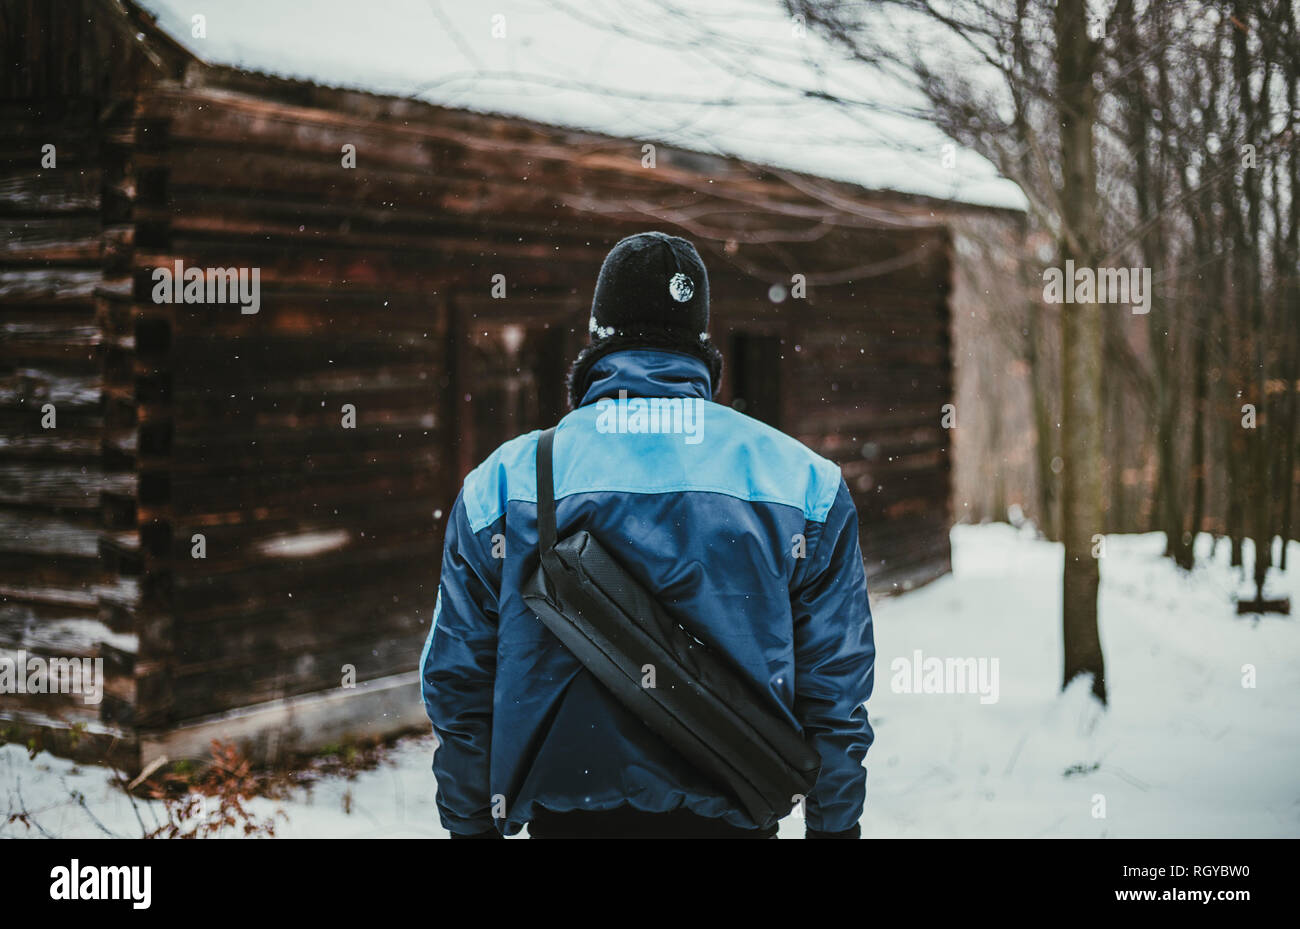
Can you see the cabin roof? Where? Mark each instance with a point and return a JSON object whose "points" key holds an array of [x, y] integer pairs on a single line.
{"points": [[448, 57]]}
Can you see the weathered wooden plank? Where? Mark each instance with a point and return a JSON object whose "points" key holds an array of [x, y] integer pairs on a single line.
{"points": [[268, 732], [51, 445], [214, 689], [40, 193], [40, 630], [28, 388], [42, 285], [302, 531], [60, 487], [66, 582], [30, 343], [47, 535], [241, 639], [391, 318], [210, 597], [56, 240]]}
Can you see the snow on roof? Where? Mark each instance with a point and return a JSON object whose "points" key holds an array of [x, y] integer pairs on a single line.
{"points": [[729, 77]]}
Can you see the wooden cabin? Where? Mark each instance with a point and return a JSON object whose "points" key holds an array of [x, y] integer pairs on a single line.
{"points": [[187, 429]]}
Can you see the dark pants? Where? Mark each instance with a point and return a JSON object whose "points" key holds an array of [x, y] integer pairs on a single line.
{"points": [[624, 822]]}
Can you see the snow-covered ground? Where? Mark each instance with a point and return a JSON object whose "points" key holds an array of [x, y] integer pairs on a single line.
{"points": [[1185, 749]]}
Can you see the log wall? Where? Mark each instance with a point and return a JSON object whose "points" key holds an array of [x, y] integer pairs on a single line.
{"points": [[193, 429]]}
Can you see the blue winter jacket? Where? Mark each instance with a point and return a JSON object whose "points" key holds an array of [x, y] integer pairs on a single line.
{"points": [[745, 535]]}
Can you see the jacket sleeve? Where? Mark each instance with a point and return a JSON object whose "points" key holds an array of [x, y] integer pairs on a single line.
{"points": [[835, 658], [457, 675]]}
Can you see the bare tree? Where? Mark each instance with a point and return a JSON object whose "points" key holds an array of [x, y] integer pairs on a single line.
{"points": [[1034, 116]]}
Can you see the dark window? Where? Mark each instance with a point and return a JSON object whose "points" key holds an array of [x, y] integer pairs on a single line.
{"points": [[515, 382], [755, 364]]}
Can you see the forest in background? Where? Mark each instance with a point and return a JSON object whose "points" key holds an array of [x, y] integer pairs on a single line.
{"points": [[1196, 160]]}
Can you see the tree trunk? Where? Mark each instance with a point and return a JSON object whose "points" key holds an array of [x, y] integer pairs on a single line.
{"points": [[1259, 521], [1208, 299], [1289, 312], [1081, 351], [1044, 446]]}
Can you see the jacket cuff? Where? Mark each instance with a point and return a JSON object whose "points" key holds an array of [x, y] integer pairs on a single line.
{"points": [[852, 833]]}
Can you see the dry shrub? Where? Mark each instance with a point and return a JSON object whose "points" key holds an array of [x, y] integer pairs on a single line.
{"points": [[215, 799]]}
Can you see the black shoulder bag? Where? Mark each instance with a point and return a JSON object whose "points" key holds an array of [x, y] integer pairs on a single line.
{"points": [[700, 706]]}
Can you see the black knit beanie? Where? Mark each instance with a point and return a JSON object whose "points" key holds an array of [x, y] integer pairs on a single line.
{"points": [[652, 292]]}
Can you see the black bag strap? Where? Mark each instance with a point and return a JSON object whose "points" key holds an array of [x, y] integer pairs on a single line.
{"points": [[551, 564], [545, 491]]}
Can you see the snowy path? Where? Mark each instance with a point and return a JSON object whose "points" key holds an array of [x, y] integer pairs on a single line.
{"points": [[1184, 750]]}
